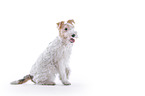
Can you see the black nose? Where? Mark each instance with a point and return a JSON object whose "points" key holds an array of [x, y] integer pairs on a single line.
{"points": [[73, 35]]}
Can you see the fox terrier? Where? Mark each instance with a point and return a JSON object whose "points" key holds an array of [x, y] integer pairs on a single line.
{"points": [[54, 59]]}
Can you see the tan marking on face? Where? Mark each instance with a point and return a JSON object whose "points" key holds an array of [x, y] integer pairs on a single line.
{"points": [[60, 26], [71, 21]]}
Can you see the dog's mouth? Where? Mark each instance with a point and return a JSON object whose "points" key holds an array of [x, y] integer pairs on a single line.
{"points": [[72, 40]]}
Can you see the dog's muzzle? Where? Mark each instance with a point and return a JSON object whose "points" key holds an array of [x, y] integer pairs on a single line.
{"points": [[72, 40]]}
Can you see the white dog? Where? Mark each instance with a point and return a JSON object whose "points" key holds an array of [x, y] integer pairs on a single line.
{"points": [[54, 59]]}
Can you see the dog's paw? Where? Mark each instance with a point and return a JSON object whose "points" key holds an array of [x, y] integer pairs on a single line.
{"points": [[66, 83], [50, 83]]}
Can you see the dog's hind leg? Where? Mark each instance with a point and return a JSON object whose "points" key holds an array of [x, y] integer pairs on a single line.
{"points": [[48, 81], [51, 79]]}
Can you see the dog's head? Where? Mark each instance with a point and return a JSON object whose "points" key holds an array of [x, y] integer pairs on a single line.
{"points": [[66, 31]]}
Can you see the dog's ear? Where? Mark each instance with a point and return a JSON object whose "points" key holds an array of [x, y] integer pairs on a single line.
{"points": [[71, 21], [60, 24]]}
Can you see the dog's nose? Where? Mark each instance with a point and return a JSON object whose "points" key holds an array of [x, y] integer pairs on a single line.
{"points": [[73, 35]]}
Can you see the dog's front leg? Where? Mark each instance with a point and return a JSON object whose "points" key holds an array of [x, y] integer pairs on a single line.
{"points": [[67, 70], [63, 75]]}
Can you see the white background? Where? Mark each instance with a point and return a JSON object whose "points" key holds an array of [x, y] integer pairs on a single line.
{"points": [[108, 58]]}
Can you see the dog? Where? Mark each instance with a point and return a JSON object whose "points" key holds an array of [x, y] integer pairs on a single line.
{"points": [[54, 60]]}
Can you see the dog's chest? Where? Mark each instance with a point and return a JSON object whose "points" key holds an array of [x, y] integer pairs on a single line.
{"points": [[63, 53]]}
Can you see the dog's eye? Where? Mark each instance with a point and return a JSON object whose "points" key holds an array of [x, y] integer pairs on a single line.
{"points": [[65, 29]]}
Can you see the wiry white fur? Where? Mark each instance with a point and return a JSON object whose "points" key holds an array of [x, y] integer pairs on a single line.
{"points": [[54, 60]]}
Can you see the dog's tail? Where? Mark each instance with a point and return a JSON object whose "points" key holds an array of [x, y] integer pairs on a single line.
{"points": [[24, 80]]}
